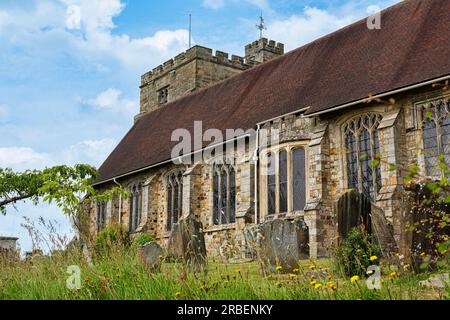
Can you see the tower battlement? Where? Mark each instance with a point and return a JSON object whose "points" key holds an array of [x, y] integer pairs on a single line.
{"points": [[199, 67]]}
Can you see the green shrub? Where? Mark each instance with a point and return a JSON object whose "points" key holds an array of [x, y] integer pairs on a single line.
{"points": [[142, 239], [353, 256], [115, 236]]}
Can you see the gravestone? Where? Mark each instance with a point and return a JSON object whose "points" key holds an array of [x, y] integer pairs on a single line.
{"points": [[187, 241], [382, 230], [353, 209], [283, 243], [151, 255]]}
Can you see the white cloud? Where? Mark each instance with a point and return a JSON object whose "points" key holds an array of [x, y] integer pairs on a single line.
{"points": [[93, 152], [298, 30], [111, 99], [21, 159], [214, 4], [218, 4], [84, 29], [73, 20]]}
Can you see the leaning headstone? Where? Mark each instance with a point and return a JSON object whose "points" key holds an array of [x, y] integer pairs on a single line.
{"points": [[187, 241], [352, 210], [382, 230], [151, 255], [283, 243]]}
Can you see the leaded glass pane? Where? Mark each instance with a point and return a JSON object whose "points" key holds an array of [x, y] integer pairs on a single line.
{"points": [[352, 161], [223, 198], [232, 195], [216, 199], [299, 189], [176, 191], [283, 181], [445, 128], [366, 166], [430, 145], [377, 152], [169, 206], [271, 185]]}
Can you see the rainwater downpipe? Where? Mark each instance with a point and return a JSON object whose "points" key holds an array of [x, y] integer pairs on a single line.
{"points": [[256, 160]]}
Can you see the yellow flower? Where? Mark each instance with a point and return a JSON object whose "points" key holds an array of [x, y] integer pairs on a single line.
{"points": [[292, 276], [392, 275], [331, 285], [279, 268], [177, 294], [406, 266], [318, 286], [312, 277], [358, 251], [422, 254], [373, 258], [312, 267], [314, 282], [278, 284], [295, 270], [354, 278], [238, 270]]}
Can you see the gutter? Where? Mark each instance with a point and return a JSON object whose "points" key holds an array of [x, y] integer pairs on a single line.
{"points": [[167, 161], [368, 99]]}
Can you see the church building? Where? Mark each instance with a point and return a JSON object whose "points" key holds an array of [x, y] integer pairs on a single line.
{"points": [[349, 111]]}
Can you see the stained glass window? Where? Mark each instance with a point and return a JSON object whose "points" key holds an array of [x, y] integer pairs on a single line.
{"points": [[224, 194], [362, 148], [299, 189], [283, 176], [174, 198], [436, 136]]}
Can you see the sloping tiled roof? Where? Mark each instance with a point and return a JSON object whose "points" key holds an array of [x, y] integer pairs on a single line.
{"points": [[412, 46]]}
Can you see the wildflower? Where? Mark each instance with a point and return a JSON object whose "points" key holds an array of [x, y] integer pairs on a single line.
{"points": [[279, 268], [354, 278], [406, 266], [331, 285], [423, 254], [295, 270], [359, 251], [312, 267], [178, 294], [314, 282], [318, 286], [392, 275], [292, 276], [373, 258], [238, 270], [278, 284], [312, 277]]}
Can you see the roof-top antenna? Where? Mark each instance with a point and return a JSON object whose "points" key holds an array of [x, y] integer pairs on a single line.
{"points": [[261, 26], [190, 30]]}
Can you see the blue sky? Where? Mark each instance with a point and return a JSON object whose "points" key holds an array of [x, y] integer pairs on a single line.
{"points": [[70, 69]]}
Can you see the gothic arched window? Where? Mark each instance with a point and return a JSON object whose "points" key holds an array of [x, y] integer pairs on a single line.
{"points": [[287, 181], [224, 194], [299, 179], [135, 207], [101, 216], [283, 176], [271, 184], [436, 136], [362, 149], [174, 198]]}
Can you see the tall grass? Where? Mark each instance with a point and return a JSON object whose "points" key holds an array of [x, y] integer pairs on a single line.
{"points": [[121, 275]]}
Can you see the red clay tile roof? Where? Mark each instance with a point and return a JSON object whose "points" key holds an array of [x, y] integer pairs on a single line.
{"points": [[412, 46]]}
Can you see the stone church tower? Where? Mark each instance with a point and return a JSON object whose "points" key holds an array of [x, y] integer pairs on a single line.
{"points": [[199, 68]]}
